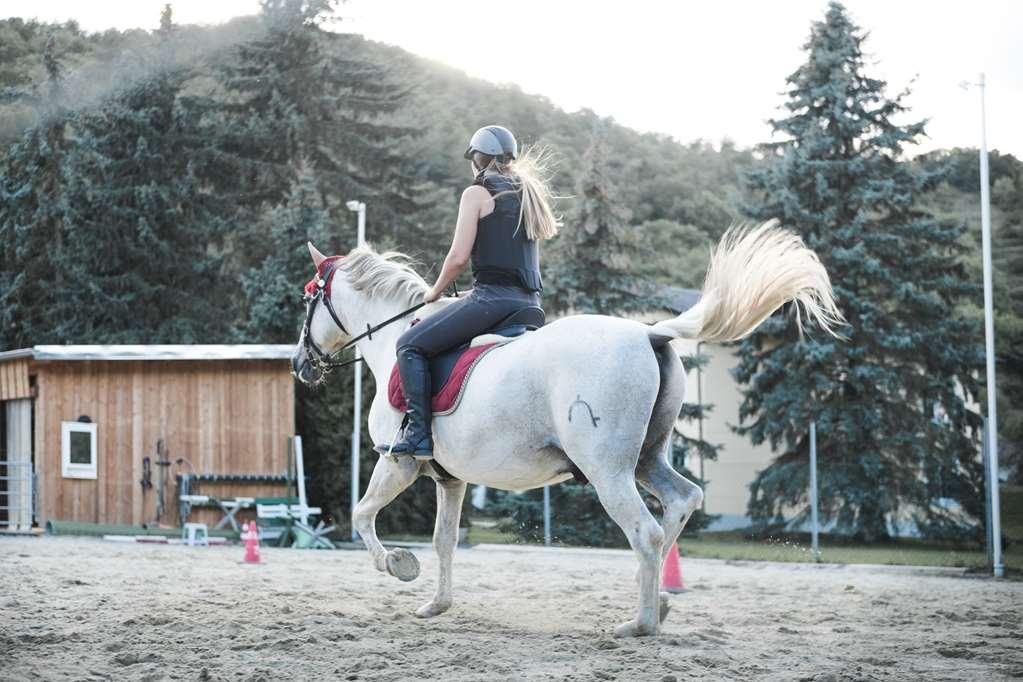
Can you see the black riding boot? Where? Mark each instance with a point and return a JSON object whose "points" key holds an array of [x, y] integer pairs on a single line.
{"points": [[417, 439]]}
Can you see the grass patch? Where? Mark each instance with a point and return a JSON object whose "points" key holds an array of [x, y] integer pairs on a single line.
{"points": [[904, 552], [733, 545], [491, 535], [1012, 512]]}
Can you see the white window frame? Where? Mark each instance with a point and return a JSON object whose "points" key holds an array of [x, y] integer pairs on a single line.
{"points": [[74, 470]]}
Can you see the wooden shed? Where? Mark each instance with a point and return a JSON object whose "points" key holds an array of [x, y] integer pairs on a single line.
{"points": [[80, 427]]}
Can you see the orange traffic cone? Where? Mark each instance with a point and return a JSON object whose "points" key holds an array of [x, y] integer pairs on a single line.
{"points": [[671, 577], [251, 537]]}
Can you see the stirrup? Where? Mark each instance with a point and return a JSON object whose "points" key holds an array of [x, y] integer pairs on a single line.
{"points": [[386, 450], [415, 449]]}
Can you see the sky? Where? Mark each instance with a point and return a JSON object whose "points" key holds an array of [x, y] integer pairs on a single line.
{"points": [[710, 70]]}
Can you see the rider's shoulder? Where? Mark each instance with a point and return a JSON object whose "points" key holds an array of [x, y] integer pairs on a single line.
{"points": [[475, 193]]}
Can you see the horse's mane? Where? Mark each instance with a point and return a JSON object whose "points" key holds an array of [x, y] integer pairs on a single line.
{"points": [[388, 274]]}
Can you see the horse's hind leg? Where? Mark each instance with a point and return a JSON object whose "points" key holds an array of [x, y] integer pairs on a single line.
{"points": [[624, 505], [390, 476], [445, 537], [679, 496]]}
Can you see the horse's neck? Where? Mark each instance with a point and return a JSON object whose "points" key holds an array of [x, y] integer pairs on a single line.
{"points": [[379, 351]]}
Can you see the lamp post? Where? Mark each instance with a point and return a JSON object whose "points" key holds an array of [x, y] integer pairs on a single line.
{"points": [[360, 208], [989, 344]]}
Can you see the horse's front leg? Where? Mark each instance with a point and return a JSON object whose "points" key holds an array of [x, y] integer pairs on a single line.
{"points": [[445, 537], [390, 476]]}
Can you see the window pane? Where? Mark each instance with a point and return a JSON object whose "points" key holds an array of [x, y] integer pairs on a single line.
{"points": [[81, 447]]}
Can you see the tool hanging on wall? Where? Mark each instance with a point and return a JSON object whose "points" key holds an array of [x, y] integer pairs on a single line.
{"points": [[147, 476], [162, 462]]}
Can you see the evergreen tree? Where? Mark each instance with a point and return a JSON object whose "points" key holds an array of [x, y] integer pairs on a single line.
{"points": [[590, 272], [685, 447], [33, 215], [294, 94], [272, 289], [142, 271], [894, 433], [1007, 196]]}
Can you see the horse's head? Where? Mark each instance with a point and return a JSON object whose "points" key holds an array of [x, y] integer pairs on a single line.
{"points": [[323, 331]]}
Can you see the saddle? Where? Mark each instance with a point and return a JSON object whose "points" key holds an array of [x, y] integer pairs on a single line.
{"points": [[450, 370]]}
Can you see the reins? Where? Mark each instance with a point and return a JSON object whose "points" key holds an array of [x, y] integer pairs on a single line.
{"points": [[326, 360]]}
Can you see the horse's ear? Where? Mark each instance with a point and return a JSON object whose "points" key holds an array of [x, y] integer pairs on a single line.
{"points": [[317, 256]]}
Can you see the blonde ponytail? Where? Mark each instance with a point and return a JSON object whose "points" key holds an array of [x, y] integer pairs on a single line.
{"points": [[532, 173]]}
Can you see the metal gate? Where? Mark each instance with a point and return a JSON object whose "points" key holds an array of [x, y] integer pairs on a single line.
{"points": [[17, 495]]}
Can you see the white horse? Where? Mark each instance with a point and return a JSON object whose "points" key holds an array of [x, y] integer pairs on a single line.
{"points": [[514, 429]]}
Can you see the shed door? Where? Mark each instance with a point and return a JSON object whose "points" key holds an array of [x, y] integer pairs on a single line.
{"points": [[16, 479]]}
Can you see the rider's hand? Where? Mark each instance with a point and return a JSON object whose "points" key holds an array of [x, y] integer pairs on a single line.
{"points": [[432, 295]]}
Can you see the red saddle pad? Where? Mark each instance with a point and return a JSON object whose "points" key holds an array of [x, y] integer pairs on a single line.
{"points": [[445, 399]]}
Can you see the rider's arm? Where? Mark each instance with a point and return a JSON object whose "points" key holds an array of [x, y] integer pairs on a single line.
{"points": [[469, 208]]}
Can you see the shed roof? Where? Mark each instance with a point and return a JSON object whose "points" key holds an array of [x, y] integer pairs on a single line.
{"points": [[278, 351]]}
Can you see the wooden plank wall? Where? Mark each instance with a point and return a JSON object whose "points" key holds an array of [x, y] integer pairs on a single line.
{"points": [[14, 379], [223, 416]]}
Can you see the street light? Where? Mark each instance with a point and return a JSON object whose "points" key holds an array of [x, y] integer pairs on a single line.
{"points": [[989, 341], [360, 208]]}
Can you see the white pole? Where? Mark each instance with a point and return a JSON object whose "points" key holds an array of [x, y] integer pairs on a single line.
{"points": [[989, 342], [303, 505], [357, 409], [699, 422], [547, 515], [814, 527]]}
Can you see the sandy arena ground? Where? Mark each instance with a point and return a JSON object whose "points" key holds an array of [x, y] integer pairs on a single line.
{"points": [[84, 609]]}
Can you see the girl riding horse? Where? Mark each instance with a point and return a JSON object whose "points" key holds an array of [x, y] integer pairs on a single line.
{"points": [[501, 218]]}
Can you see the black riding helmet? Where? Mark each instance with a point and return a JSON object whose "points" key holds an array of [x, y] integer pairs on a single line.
{"points": [[496, 141]]}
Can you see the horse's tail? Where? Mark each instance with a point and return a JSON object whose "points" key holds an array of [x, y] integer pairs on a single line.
{"points": [[752, 272]]}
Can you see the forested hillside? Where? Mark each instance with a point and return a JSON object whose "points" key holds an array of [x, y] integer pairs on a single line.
{"points": [[159, 186]]}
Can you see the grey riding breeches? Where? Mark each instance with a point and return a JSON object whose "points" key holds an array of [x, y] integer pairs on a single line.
{"points": [[467, 317]]}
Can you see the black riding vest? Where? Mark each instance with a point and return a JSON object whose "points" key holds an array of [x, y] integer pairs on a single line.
{"points": [[502, 253]]}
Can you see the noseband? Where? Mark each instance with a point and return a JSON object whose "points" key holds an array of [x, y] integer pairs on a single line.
{"points": [[318, 290]]}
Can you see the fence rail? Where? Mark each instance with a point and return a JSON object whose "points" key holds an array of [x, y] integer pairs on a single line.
{"points": [[17, 493]]}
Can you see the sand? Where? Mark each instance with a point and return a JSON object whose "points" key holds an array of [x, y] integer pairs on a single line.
{"points": [[82, 609]]}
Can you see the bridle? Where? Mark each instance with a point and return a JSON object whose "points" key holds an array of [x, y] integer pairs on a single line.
{"points": [[318, 290]]}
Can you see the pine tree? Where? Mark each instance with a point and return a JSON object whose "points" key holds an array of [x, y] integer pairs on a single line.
{"points": [[33, 215], [142, 271], [685, 447], [272, 289], [1007, 195], [295, 94], [894, 433], [589, 272]]}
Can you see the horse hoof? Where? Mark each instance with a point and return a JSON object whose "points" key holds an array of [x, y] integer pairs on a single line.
{"points": [[433, 608], [633, 629], [402, 564], [665, 606]]}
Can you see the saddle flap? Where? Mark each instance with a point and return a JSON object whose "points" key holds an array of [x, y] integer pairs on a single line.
{"points": [[448, 374]]}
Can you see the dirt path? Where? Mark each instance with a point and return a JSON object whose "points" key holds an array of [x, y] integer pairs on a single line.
{"points": [[88, 609]]}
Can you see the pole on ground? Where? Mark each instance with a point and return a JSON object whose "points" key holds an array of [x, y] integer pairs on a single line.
{"points": [[360, 208], [985, 456], [699, 423], [989, 342], [300, 479], [547, 515], [814, 527]]}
